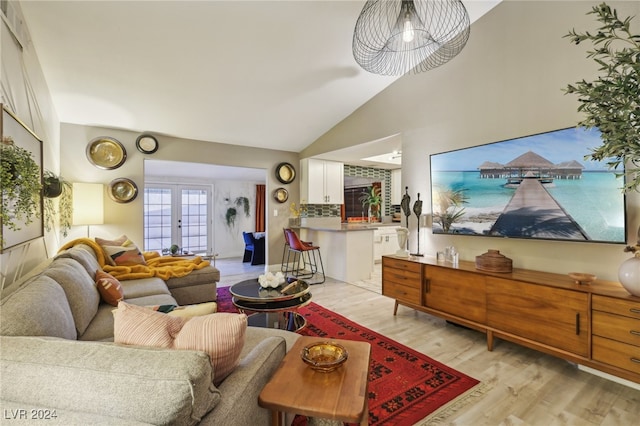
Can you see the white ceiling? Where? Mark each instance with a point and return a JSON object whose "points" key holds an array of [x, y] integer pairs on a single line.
{"points": [[271, 74]]}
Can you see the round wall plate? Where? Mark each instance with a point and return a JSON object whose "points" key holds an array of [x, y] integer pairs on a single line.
{"points": [[285, 173], [281, 195], [123, 190], [147, 144], [106, 153]]}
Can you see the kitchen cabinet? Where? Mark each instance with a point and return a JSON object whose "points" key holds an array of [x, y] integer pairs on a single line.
{"points": [[385, 242], [321, 181], [396, 186]]}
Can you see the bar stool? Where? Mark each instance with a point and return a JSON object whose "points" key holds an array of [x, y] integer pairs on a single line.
{"points": [[308, 253], [285, 251]]}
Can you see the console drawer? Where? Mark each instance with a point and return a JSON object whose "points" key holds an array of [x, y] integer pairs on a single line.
{"points": [[618, 354], [627, 308], [405, 265], [616, 327]]}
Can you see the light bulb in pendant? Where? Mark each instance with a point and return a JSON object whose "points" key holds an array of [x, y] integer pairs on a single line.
{"points": [[407, 31]]}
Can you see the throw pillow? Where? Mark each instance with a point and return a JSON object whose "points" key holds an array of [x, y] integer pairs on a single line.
{"points": [[220, 335], [137, 325], [109, 288], [121, 252], [195, 310]]}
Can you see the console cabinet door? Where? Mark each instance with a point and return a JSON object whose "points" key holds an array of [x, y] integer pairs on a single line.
{"points": [[551, 316], [458, 293]]}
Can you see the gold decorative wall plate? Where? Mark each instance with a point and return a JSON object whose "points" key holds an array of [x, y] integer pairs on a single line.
{"points": [[106, 153], [123, 190], [285, 173], [281, 195]]}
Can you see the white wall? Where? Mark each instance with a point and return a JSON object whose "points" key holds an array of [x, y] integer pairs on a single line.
{"points": [[507, 82], [128, 218], [24, 90]]}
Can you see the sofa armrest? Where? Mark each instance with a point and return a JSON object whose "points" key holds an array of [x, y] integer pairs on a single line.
{"points": [[148, 385], [240, 390]]}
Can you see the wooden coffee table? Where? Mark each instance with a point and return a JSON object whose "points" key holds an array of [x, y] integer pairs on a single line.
{"points": [[338, 395]]}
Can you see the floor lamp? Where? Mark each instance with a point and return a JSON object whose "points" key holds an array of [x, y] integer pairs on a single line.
{"points": [[88, 204]]}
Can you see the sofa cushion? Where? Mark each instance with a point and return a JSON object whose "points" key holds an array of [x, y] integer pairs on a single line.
{"points": [[121, 252], [85, 256], [80, 288], [206, 275], [101, 328], [133, 383], [109, 288], [137, 325], [141, 287], [155, 299], [38, 308]]}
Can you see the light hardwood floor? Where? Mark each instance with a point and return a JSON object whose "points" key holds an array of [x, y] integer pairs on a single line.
{"points": [[522, 386]]}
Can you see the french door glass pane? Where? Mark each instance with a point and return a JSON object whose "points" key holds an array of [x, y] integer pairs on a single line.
{"points": [[194, 220], [157, 219]]}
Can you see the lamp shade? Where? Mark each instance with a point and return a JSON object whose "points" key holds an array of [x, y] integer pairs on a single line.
{"points": [[88, 204], [393, 37]]}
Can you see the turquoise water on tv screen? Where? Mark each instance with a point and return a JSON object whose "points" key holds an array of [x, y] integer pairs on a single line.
{"points": [[595, 202]]}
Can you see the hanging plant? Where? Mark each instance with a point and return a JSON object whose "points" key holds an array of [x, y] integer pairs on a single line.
{"points": [[54, 187], [20, 184], [244, 203], [230, 216], [612, 101], [232, 212]]}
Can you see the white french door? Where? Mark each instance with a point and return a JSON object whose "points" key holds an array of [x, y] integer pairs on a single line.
{"points": [[177, 214]]}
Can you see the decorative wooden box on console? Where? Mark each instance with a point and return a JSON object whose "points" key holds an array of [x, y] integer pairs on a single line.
{"points": [[596, 325]]}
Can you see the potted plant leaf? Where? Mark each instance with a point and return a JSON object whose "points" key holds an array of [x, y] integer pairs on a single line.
{"points": [[57, 187], [20, 185], [371, 198], [611, 102]]}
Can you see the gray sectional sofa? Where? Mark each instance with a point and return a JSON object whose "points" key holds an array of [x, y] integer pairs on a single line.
{"points": [[58, 360]]}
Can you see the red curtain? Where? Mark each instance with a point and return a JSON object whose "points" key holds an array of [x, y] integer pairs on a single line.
{"points": [[260, 207]]}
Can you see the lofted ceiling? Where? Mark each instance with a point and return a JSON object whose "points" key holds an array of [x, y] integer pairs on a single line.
{"points": [[270, 74]]}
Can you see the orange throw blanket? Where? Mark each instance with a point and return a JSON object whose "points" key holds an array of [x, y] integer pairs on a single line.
{"points": [[164, 267]]}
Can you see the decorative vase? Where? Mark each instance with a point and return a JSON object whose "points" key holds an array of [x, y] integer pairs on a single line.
{"points": [[629, 274], [403, 237]]}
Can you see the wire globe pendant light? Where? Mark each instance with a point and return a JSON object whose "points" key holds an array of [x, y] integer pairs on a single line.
{"points": [[393, 37]]}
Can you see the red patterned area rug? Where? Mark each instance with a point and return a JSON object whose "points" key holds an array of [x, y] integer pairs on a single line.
{"points": [[405, 386]]}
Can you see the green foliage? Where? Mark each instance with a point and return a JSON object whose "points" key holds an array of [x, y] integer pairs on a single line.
{"points": [[372, 198], [64, 213], [232, 212], [612, 101], [244, 203], [449, 204], [20, 185], [230, 216]]}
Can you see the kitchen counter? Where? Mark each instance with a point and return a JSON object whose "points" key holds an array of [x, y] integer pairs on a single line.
{"points": [[346, 227]]}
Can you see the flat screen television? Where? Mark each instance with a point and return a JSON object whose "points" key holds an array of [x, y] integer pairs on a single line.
{"points": [[533, 187]]}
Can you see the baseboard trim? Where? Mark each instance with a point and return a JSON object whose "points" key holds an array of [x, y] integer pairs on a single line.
{"points": [[608, 376]]}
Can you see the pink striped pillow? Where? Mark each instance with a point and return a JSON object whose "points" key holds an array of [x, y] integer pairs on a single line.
{"points": [[220, 335], [137, 325]]}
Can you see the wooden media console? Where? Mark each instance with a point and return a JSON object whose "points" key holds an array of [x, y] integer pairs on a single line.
{"points": [[596, 325]]}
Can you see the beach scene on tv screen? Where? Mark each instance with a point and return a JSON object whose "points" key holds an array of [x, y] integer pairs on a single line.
{"points": [[538, 186]]}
